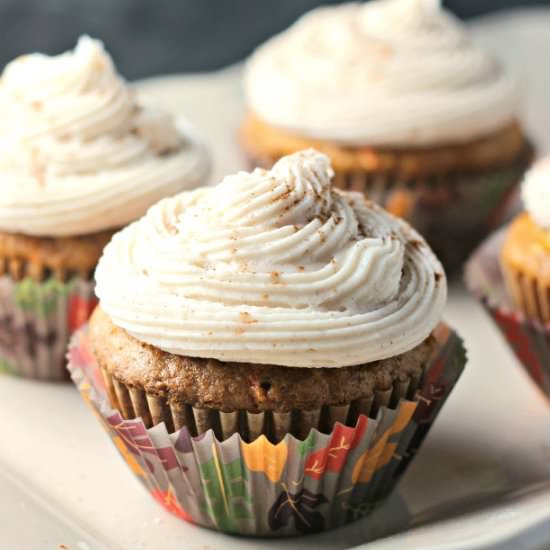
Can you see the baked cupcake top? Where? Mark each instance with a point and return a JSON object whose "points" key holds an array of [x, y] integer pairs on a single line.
{"points": [[535, 192], [78, 154], [273, 267], [382, 73]]}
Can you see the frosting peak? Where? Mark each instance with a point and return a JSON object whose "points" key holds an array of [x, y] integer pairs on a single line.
{"points": [[386, 72], [77, 153], [295, 191], [275, 267], [535, 192]]}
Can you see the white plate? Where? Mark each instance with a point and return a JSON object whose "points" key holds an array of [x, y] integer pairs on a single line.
{"points": [[62, 482]]}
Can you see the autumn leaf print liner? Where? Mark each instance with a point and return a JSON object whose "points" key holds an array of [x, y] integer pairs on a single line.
{"points": [[275, 489], [36, 321]]}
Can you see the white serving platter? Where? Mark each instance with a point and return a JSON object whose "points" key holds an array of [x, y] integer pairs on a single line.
{"points": [[62, 484]]}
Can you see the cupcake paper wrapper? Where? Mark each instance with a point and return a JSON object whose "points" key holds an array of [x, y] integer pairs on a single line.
{"points": [[299, 485], [134, 402], [528, 338], [453, 213], [36, 322]]}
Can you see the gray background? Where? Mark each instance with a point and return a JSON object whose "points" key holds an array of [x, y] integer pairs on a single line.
{"points": [[150, 37]]}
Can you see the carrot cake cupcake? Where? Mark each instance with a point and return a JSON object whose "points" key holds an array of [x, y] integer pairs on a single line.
{"points": [[246, 295], [79, 158], [509, 274], [525, 254], [267, 353], [408, 108]]}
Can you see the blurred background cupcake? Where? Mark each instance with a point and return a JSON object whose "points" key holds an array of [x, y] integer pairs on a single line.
{"points": [[510, 273], [409, 110], [294, 327], [79, 158], [525, 256]]}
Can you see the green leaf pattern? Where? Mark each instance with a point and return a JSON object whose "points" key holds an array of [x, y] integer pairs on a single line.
{"points": [[226, 490], [7, 367], [41, 298], [308, 444]]}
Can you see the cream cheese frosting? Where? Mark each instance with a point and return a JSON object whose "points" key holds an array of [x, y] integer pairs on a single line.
{"points": [[78, 154], [386, 73], [273, 267], [535, 191]]}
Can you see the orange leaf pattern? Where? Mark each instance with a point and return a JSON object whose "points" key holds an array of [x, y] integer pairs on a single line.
{"points": [[263, 456], [168, 500], [378, 456], [128, 457]]}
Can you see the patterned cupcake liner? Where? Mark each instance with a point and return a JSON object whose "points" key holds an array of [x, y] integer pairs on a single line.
{"points": [[36, 323], [528, 338], [453, 213], [527, 294], [251, 486]]}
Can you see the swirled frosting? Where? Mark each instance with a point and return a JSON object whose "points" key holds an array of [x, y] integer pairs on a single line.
{"points": [[535, 191], [77, 153], [387, 72], [273, 267]]}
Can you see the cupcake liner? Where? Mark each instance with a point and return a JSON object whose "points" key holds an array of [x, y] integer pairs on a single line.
{"points": [[251, 486], [134, 402], [527, 294], [453, 213], [36, 322], [528, 337]]}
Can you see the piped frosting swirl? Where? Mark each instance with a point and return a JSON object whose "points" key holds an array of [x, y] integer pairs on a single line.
{"points": [[381, 73], [77, 153], [273, 267]]}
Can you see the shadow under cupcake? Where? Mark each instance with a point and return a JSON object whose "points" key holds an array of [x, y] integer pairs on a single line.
{"points": [[268, 354]]}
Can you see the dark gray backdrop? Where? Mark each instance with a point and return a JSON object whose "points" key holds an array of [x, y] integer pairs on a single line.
{"points": [[148, 37]]}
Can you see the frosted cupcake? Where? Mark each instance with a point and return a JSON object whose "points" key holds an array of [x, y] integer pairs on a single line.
{"points": [[271, 318], [79, 158], [525, 256], [510, 275], [409, 110]]}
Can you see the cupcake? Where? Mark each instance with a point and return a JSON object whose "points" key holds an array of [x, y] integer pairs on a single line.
{"points": [[409, 110], [79, 158], [510, 274], [525, 255], [271, 340]]}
